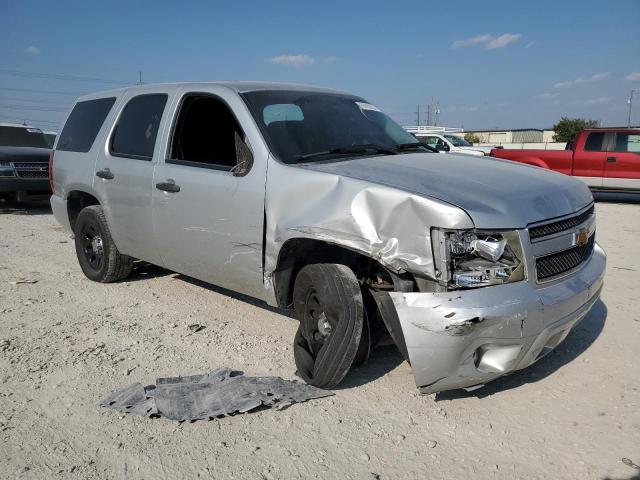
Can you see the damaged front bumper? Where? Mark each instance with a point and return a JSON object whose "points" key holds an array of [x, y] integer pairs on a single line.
{"points": [[466, 338]]}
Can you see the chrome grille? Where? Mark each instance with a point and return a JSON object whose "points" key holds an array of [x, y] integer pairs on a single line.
{"points": [[550, 266], [560, 225]]}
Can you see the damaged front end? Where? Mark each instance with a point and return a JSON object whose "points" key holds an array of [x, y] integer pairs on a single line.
{"points": [[464, 305]]}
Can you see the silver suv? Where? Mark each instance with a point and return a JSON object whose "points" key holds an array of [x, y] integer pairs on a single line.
{"points": [[315, 199]]}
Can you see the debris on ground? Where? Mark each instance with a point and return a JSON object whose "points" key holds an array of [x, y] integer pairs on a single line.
{"points": [[219, 393], [196, 327], [19, 282]]}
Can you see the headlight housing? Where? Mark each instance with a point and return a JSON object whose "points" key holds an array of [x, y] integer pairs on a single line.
{"points": [[473, 258]]}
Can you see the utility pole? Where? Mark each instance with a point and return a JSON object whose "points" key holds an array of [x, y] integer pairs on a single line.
{"points": [[418, 116], [140, 82], [428, 113], [630, 102]]}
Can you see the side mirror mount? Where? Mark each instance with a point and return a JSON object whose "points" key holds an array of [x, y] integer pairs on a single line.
{"points": [[244, 157]]}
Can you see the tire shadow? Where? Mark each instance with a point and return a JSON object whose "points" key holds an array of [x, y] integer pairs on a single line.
{"points": [[382, 360], [576, 343], [145, 271]]}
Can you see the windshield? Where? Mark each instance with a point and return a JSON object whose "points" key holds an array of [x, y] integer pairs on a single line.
{"points": [[22, 137], [457, 141], [298, 125]]}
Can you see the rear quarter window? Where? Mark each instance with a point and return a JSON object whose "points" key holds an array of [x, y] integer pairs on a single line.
{"points": [[83, 124], [137, 128]]}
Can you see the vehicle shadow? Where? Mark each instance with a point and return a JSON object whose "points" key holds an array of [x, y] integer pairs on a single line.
{"points": [[382, 360], [32, 207], [237, 296], [576, 343], [616, 197], [145, 271]]}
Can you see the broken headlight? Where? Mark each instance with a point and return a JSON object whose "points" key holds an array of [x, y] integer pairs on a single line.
{"points": [[469, 259]]}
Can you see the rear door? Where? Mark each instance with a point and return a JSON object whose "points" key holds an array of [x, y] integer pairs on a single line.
{"points": [[209, 190], [622, 170], [589, 158], [124, 173]]}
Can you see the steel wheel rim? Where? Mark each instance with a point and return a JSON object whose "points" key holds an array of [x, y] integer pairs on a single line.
{"points": [[92, 245], [317, 324]]}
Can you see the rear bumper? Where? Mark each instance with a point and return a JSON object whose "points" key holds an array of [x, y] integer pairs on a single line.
{"points": [[60, 212], [465, 338]]}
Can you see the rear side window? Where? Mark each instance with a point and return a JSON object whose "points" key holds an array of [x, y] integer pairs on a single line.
{"points": [[627, 142], [83, 124], [137, 129], [594, 142]]}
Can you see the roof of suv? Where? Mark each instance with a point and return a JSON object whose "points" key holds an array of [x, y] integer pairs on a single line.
{"points": [[236, 86]]}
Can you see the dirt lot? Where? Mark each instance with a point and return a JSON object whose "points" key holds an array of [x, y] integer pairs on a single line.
{"points": [[65, 342]]}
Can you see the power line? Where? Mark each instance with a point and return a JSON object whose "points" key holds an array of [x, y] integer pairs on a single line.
{"points": [[30, 90], [36, 100], [57, 76], [31, 120], [34, 108]]}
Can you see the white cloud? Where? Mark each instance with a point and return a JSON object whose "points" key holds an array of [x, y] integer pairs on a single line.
{"points": [[633, 77], [297, 61], [33, 50], [530, 44], [591, 101], [546, 96], [490, 42], [329, 60], [503, 40], [580, 80]]}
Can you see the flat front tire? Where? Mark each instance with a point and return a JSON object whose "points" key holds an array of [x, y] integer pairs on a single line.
{"points": [[97, 254], [328, 302]]}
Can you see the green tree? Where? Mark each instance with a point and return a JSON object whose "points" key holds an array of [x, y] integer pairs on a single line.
{"points": [[471, 137], [567, 128]]}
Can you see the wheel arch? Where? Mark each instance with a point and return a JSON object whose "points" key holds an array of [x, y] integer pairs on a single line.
{"points": [[298, 252], [76, 201]]}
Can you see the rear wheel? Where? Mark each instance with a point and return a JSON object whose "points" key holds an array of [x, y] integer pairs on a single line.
{"points": [[97, 254], [328, 303]]}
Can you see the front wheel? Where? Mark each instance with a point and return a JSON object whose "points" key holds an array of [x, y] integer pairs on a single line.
{"points": [[97, 254], [328, 302]]}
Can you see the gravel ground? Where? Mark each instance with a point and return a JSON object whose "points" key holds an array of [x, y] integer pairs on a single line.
{"points": [[65, 342]]}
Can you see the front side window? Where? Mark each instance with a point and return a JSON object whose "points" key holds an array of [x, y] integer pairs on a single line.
{"points": [[83, 124], [300, 124], [627, 142], [431, 141], [594, 142], [135, 134], [22, 137], [207, 133]]}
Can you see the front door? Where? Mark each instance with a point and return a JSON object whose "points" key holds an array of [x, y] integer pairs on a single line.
{"points": [[208, 194], [622, 169], [124, 172]]}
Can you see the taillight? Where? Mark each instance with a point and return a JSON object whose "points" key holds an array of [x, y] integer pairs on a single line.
{"points": [[51, 171]]}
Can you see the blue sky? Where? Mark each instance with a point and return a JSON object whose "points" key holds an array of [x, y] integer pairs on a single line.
{"points": [[488, 64]]}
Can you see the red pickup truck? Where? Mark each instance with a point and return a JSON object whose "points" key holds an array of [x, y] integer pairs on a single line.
{"points": [[604, 158]]}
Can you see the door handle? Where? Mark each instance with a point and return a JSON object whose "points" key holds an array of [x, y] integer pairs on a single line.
{"points": [[168, 186], [105, 174], [611, 159]]}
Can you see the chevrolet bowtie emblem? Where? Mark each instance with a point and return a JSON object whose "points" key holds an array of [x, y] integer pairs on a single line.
{"points": [[582, 237]]}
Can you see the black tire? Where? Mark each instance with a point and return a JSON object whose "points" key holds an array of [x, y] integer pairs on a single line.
{"points": [[97, 254], [328, 303]]}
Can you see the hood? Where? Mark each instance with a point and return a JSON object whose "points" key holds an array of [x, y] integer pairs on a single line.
{"points": [[495, 193], [24, 154]]}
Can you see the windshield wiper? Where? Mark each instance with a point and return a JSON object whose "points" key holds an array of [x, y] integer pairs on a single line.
{"points": [[363, 149], [403, 147]]}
